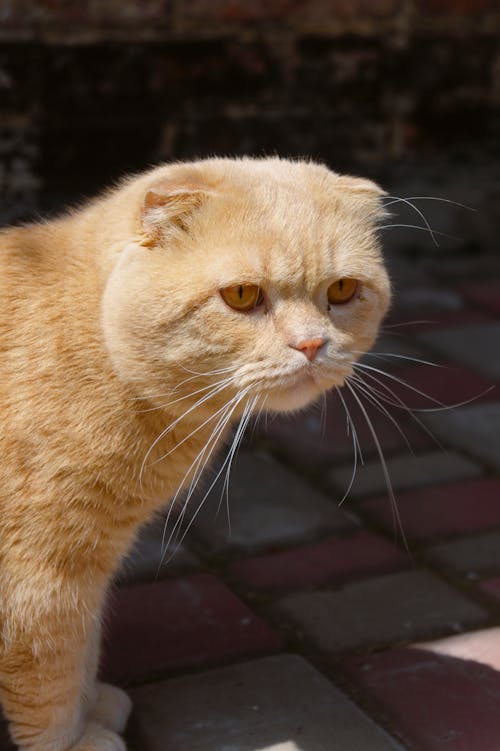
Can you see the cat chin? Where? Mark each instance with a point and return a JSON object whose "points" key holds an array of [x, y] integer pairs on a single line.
{"points": [[294, 398]]}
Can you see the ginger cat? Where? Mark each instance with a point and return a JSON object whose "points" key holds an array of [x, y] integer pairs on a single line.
{"points": [[133, 332]]}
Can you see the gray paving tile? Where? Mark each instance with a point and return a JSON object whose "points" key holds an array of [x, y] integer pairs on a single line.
{"points": [[273, 704], [473, 556], [268, 505], [405, 471], [146, 561], [404, 606], [476, 345], [474, 428]]}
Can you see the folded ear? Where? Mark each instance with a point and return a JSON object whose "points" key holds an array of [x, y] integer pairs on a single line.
{"points": [[167, 206], [363, 197], [359, 185]]}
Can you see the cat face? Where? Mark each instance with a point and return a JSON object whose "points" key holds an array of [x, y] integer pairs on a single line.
{"points": [[254, 277]]}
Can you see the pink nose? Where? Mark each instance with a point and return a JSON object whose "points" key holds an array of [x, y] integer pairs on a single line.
{"points": [[309, 347]]}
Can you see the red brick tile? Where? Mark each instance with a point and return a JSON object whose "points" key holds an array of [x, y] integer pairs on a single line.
{"points": [[178, 623], [335, 560], [484, 294], [444, 385], [491, 587], [441, 695], [446, 510]]}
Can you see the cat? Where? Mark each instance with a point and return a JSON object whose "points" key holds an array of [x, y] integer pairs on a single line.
{"points": [[134, 331]]}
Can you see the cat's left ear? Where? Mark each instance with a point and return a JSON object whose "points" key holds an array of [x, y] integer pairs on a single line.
{"points": [[364, 197], [168, 205], [360, 185]]}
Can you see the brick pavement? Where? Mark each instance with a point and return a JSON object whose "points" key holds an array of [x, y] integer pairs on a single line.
{"points": [[309, 627]]}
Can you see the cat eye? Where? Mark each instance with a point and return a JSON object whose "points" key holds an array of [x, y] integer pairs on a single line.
{"points": [[342, 291], [243, 297]]}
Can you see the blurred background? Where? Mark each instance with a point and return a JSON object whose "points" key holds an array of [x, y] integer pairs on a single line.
{"points": [[405, 91]]}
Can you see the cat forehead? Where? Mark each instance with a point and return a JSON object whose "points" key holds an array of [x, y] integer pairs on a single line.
{"points": [[271, 218], [284, 260], [272, 183], [286, 214], [286, 234]]}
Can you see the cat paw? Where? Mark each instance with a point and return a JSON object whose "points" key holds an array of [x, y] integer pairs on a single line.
{"points": [[111, 708], [97, 738]]}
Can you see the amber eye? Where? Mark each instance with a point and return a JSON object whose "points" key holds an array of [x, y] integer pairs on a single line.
{"points": [[342, 291], [243, 297]]}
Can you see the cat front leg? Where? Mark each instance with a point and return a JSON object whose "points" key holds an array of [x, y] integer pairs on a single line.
{"points": [[44, 659], [107, 705], [49, 714], [111, 708]]}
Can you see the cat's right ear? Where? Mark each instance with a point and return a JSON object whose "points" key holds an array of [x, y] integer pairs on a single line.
{"points": [[167, 206], [364, 196], [359, 185]]}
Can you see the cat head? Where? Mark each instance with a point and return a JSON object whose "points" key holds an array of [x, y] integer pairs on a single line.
{"points": [[260, 278]]}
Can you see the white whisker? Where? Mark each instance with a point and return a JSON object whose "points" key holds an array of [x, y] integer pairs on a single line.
{"points": [[405, 323], [187, 396], [442, 407], [399, 357], [193, 466], [399, 404], [323, 414], [408, 202], [428, 198], [355, 445], [418, 227], [173, 424], [190, 435], [232, 452], [385, 470], [258, 415], [197, 466], [198, 508], [401, 381], [178, 385], [208, 374], [371, 394]]}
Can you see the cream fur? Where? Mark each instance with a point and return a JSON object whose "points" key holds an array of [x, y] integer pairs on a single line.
{"points": [[120, 300]]}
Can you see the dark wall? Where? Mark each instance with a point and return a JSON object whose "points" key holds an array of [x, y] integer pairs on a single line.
{"points": [[407, 91]]}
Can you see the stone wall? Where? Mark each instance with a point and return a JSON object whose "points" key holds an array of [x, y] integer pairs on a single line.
{"points": [[407, 91]]}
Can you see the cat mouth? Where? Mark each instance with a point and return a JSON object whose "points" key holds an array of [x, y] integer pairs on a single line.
{"points": [[298, 389], [320, 377]]}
